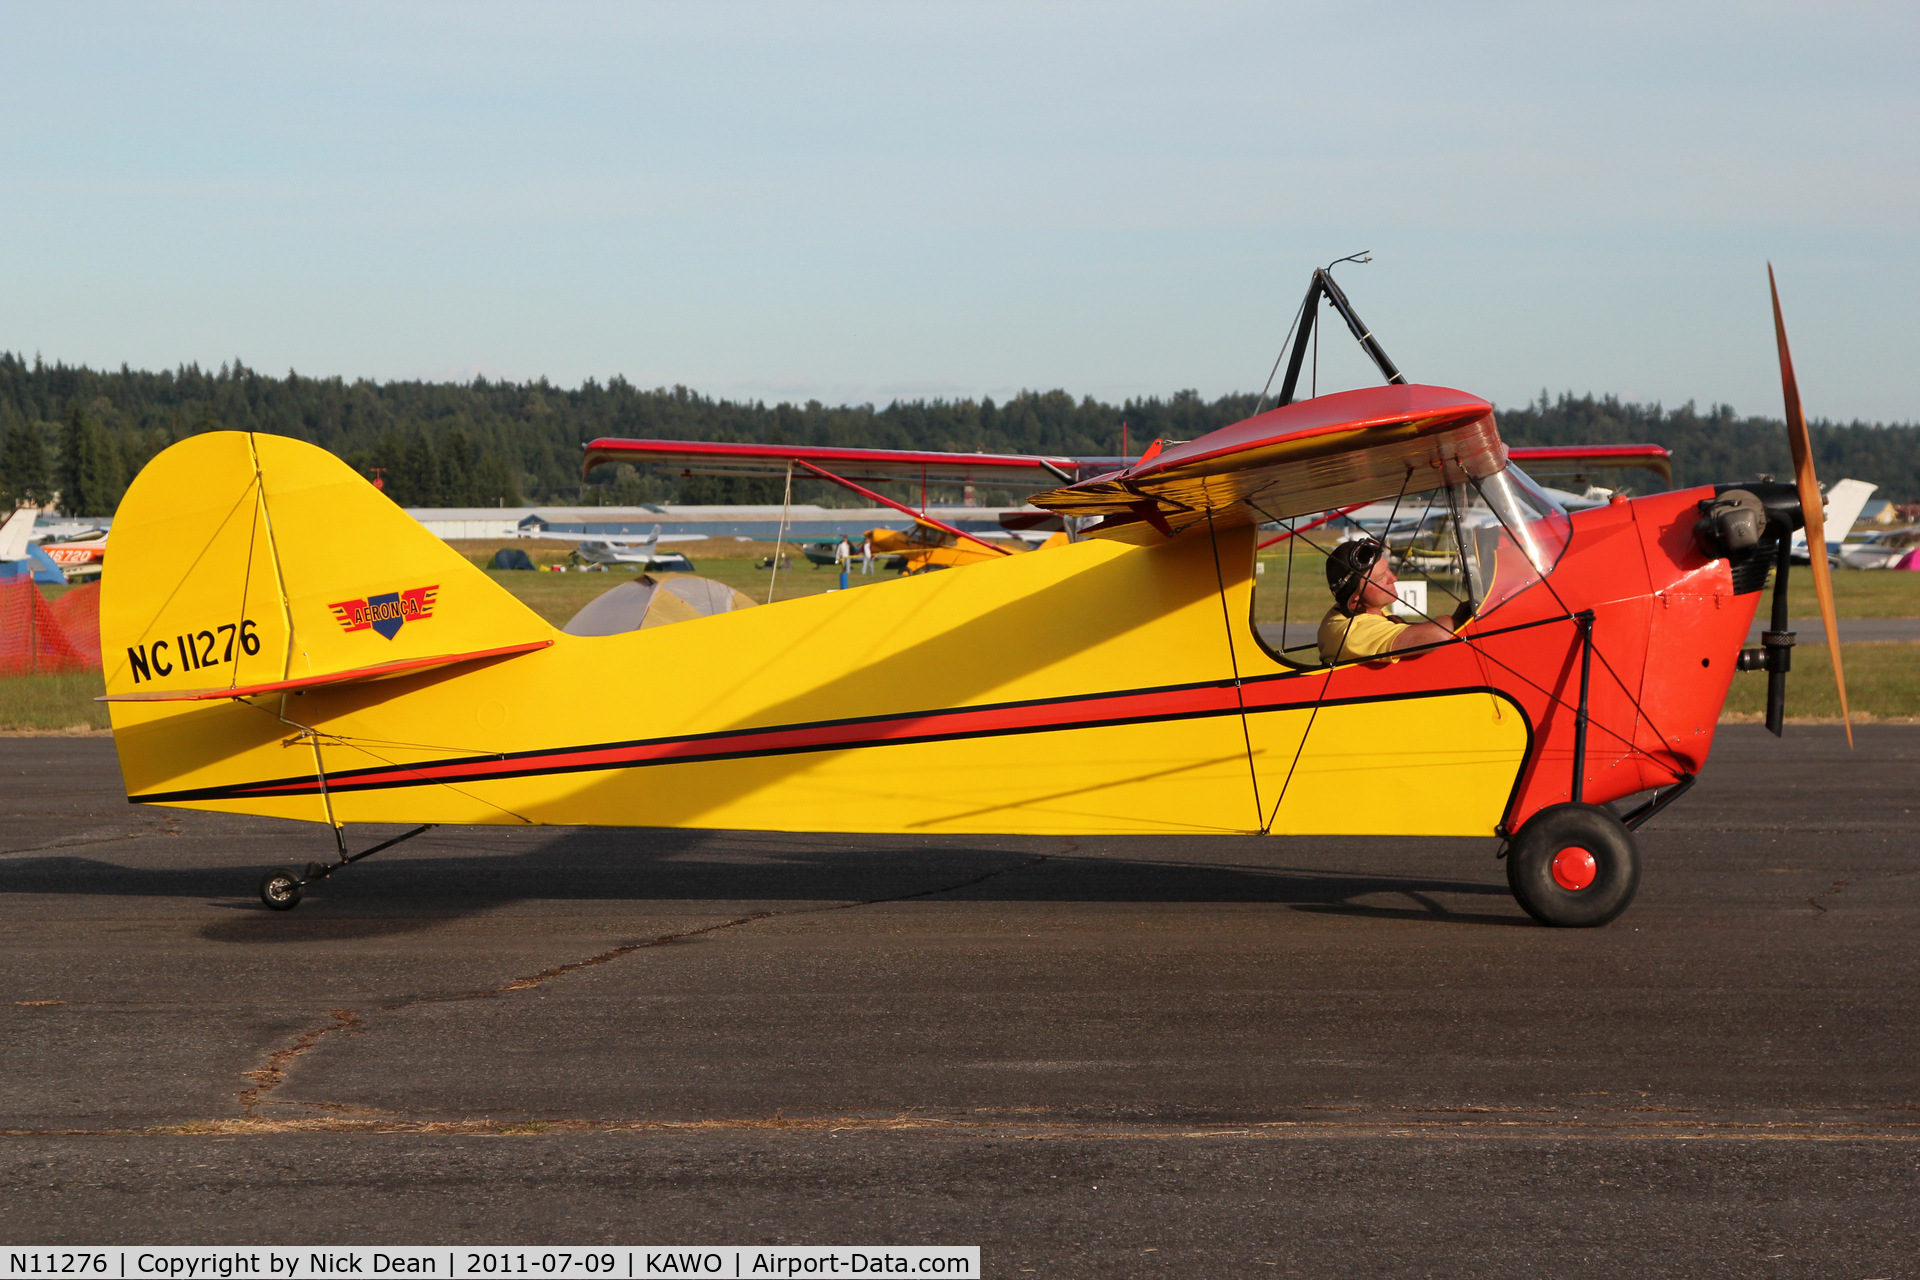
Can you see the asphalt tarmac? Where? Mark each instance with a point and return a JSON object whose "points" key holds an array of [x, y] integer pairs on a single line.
{"points": [[1154, 1057]]}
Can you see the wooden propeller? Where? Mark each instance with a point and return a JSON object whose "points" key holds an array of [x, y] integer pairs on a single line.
{"points": [[1811, 511]]}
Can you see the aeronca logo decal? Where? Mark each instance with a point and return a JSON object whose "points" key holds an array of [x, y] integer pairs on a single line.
{"points": [[387, 613]]}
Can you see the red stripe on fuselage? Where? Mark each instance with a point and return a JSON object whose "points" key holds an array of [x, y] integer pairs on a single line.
{"points": [[1162, 704]]}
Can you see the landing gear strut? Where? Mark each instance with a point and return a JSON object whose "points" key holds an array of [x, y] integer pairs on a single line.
{"points": [[282, 888]]}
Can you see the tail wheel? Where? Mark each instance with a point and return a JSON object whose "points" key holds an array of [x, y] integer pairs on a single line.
{"points": [[280, 889], [1574, 866]]}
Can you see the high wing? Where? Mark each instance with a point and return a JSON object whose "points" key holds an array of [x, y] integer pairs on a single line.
{"points": [[1316, 455], [718, 458], [844, 467], [1575, 459]]}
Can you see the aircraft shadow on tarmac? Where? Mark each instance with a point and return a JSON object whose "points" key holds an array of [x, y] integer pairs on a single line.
{"points": [[398, 892]]}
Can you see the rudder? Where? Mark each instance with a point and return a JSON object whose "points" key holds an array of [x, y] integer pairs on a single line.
{"points": [[243, 559]]}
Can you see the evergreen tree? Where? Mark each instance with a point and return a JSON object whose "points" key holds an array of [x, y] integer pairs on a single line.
{"points": [[524, 438], [419, 475], [457, 462], [386, 462], [493, 482], [23, 467], [90, 476]]}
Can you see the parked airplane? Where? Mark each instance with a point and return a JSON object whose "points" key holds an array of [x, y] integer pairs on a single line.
{"points": [[1879, 550], [1844, 503], [645, 553], [79, 557], [20, 557]]}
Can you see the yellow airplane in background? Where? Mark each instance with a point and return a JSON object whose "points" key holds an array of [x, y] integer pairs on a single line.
{"points": [[923, 548]]}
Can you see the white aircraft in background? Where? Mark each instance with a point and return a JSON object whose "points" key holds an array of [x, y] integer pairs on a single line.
{"points": [[16, 534], [20, 556], [70, 529], [599, 549], [1844, 503], [1880, 550]]}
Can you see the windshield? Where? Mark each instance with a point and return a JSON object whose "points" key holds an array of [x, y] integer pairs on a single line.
{"points": [[1485, 541], [1516, 534]]}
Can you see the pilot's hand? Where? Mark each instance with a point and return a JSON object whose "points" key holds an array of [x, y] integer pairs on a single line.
{"points": [[1462, 612]]}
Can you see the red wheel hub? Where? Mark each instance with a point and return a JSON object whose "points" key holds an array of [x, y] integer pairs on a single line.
{"points": [[1574, 868]]}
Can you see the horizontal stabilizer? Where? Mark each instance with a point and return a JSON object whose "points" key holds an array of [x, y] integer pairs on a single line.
{"points": [[356, 675]]}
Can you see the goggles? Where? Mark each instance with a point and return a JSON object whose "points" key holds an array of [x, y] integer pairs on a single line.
{"points": [[1359, 561]]}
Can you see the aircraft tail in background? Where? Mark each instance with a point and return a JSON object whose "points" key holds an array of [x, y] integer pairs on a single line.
{"points": [[14, 534], [1844, 503]]}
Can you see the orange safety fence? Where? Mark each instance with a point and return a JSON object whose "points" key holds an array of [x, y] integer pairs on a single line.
{"points": [[37, 638], [78, 613]]}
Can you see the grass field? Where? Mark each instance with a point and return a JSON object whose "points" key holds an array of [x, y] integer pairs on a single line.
{"points": [[1883, 680], [558, 596], [1857, 593], [52, 703]]}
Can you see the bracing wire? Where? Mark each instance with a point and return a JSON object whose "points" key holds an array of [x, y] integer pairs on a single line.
{"points": [[1547, 581], [1326, 684], [1260, 406], [1233, 657], [786, 505], [1474, 646]]}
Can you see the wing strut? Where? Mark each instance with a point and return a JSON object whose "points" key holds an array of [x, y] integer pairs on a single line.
{"points": [[922, 517], [1322, 285]]}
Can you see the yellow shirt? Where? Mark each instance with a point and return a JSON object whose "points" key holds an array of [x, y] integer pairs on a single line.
{"points": [[1365, 635]]}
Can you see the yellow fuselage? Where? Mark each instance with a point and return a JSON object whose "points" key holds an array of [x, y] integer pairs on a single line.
{"points": [[1088, 690]]}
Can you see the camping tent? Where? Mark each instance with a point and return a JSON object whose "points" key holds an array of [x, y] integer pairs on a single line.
{"points": [[654, 602], [511, 558]]}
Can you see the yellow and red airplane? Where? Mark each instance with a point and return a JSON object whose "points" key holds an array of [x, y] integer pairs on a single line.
{"points": [[255, 664]]}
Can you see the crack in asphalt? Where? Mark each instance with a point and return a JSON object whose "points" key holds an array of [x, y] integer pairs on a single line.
{"points": [[1427, 1125], [169, 825], [273, 1074], [267, 1078], [1831, 889]]}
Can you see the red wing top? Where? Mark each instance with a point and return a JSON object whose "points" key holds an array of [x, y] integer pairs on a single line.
{"points": [[1314, 455], [721, 458]]}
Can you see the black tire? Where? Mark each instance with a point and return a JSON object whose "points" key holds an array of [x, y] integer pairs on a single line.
{"points": [[1558, 899], [281, 888]]}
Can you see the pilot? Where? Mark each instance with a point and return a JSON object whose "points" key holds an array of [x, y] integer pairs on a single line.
{"points": [[1361, 623]]}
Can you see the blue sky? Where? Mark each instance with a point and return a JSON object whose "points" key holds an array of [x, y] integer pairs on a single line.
{"points": [[863, 202]]}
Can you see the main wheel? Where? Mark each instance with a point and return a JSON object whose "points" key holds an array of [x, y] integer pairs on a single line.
{"points": [[280, 889], [1573, 865]]}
